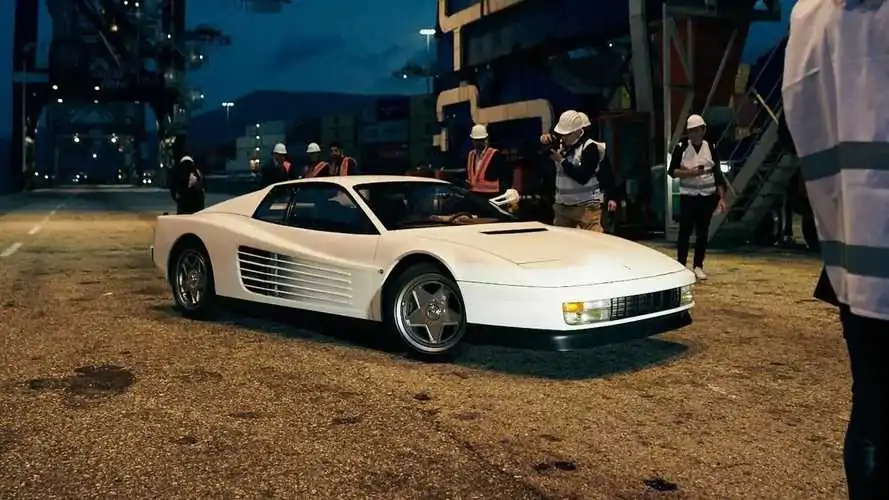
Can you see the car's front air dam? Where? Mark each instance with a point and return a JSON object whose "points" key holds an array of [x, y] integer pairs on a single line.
{"points": [[579, 339]]}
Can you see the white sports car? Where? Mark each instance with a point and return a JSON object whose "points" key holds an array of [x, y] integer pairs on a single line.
{"points": [[423, 256]]}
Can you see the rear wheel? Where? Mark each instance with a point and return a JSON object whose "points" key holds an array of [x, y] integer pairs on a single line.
{"points": [[425, 310], [191, 279]]}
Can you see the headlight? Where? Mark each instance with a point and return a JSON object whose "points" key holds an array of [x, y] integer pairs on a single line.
{"points": [[687, 295], [582, 313]]}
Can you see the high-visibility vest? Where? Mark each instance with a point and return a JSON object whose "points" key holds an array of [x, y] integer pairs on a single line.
{"points": [[476, 168], [571, 193], [702, 185], [835, 102], [345, 165], [287, 166], [317, 169]]}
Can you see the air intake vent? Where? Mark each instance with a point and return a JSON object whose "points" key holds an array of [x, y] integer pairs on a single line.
{"points": [[282, 276], [517, 231], [646, 303]]}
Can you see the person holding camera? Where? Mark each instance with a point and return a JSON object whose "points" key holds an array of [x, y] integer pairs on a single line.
{"points": [[584, 181], [702, 188]]}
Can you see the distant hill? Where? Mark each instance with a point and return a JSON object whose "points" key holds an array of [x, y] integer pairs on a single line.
{"points": [[211, 129]]}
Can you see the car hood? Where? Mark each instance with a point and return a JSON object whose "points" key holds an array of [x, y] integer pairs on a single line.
{"points": [[554, 256]]}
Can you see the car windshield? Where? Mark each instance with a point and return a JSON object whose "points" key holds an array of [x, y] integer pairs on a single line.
{"points": [[411, 204]]}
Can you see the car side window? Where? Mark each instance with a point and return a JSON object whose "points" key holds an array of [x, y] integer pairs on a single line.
{"points": [[273, 207], [327, 207]]}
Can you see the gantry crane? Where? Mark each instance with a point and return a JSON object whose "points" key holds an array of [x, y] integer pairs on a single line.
{"points": [[115, 57]]}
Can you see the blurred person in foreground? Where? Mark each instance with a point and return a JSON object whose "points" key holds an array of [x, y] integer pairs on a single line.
{"points": [[187, 187], [836, 100]]}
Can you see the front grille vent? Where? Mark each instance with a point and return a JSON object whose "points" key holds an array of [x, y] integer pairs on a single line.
{"points": [[646, 303]]}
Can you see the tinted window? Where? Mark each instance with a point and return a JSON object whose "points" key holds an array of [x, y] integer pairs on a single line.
{"points": [[274, 207], [327, 207], [403, 205]]}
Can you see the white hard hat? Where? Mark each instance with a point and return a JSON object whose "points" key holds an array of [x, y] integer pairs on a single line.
{"points": [[695, 121], [478, 132], [185, 159], [313, 148], [571, 121], [584, 118], [280, 149]]}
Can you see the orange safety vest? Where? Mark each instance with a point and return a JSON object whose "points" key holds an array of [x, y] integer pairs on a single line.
{"points": [[317, 169], [475, 172], [344, 165], [287, 166]]}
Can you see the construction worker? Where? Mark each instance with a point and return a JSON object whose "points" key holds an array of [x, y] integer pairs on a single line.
{"points": [[584, 182], [835, 101], [340, 164], [187, 186], [316, 167], [278, 168], [702, 188], [487, 174]]}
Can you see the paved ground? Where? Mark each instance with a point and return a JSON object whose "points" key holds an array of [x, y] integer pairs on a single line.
{"points": [[105, 391]]}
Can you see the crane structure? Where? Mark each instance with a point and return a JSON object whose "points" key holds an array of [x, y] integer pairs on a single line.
{"points": [[109, 60], [639, 68]]}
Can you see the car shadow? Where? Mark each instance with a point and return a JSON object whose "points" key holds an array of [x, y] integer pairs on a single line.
{"points": [[482, 352]]}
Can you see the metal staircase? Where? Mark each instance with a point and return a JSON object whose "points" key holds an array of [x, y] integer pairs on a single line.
{"points": [[766, 168]]}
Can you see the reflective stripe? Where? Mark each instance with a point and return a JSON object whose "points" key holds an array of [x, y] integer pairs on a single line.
{"points": [[476, 170], [570, 192], [856, 259], [847, 203], [846, 156], [866, 296], [317, 169], [703, 185], [345, 165]]}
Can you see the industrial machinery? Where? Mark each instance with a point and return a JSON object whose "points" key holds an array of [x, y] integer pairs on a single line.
{"points": [[637, 67], [108, 60]]}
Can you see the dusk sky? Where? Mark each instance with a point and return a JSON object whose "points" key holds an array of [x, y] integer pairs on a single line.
{"points": [[333, 45]]}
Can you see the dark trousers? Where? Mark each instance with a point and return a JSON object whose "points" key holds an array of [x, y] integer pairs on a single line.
{"points": [[864, 452], [190, 203], [695, 213]]}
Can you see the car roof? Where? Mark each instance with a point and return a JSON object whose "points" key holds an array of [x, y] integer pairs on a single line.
{"points": [[354, 180]]}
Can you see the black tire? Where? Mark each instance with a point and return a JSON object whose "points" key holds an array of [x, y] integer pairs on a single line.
{"points": [[191, 304], [398, 304]]}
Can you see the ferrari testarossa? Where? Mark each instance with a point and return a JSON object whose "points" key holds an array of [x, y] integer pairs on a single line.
{"points": [[422, 256]]}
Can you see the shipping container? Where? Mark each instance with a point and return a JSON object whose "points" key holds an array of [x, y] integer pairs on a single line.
{"points": [[385, 159], [343, 135], [422, 106], [423, 130], [393, 109], [422, 152], [337, 121], [383, 132]]}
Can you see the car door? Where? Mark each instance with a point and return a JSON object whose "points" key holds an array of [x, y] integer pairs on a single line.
{"points": [[314, 249]]}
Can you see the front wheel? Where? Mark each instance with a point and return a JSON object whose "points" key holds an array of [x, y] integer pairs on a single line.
{"points": [[426, 311], [192, 281]]}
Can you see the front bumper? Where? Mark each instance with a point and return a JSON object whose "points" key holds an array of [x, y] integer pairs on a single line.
{"points": [[548, 340]]}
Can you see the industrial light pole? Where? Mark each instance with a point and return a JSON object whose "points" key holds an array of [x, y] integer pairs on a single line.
{"points": [[27, 49], [228, 105], [428, 33]]}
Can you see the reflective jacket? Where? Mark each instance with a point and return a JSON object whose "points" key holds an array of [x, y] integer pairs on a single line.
{"points": [[836, 103], [477, 169]]}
